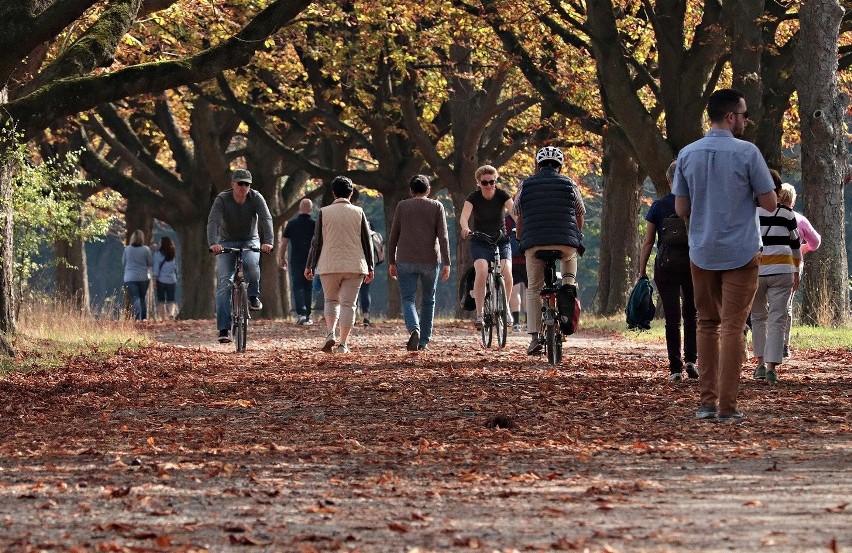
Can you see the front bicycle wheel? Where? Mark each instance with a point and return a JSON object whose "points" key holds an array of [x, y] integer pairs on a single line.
{"points": [[240, 316], [550, 344], [487, 314], [501, 315]]}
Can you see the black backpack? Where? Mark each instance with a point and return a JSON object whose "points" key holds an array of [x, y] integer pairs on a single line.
{"points": [[673, 245], [640, 306]]}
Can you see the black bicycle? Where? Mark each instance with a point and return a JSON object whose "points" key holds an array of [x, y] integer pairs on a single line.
{"points": [[550, 333], [239, 300], [495, 310]]}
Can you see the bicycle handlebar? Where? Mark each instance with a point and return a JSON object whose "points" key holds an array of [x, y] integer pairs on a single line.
{"points": [[236, 250], [501, 239]]}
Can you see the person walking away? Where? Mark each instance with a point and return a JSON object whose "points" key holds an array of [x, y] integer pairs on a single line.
{"points": [[342, 254], [298, 233], [519, 274], [239, 218], [673, 279], [550, 214], [137, 260], [716, 181], [418, 252], [165, 277], [364, 297], [778, 279], [810, 240], [486, 205]]}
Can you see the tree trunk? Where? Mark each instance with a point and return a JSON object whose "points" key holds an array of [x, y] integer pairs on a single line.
{"points": [[619, 223], [824, 161], [391, 200], [72, 281], [198, 271], [7, 254]]}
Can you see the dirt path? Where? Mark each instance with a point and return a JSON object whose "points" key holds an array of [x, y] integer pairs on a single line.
{"points": [[187, 446]]}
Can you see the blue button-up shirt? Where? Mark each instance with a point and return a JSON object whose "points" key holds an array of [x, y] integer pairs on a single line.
{"points": [[722, 175]]}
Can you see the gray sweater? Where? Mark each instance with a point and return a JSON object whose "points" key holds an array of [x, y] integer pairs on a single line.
{"points": [[229, 220], [137, 260]]}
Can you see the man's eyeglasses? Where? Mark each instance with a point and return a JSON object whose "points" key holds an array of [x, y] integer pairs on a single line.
{"points": [[246, 184], [488, 182], [743, 113]]}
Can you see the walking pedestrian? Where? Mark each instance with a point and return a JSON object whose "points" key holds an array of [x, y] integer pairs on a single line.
{"points": [[298, 233], [717, 179]]}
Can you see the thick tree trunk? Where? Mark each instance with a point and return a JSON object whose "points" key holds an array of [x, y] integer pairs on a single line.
{"points": [[197, 271], [391, 200], [824, 161], [72, 281], [619, 223]]}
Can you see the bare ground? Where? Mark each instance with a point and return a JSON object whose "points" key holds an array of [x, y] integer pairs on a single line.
{"points": [[187, 446]]}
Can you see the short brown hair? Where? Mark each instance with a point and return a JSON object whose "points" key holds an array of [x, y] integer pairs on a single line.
{"points": [[486, 170]]}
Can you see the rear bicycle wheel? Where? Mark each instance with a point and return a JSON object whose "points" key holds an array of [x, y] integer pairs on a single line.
{"points": [[501, 315], [550, 344]]}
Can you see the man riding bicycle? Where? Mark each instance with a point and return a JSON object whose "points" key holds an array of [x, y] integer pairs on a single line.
{"points": [[233, 223], [486, 205], [549, 214]]}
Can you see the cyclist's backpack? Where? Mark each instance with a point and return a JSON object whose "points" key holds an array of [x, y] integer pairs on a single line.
{"points": [[673, 246], [466, 301], [569, 308], [640, 306], [378, 247]]}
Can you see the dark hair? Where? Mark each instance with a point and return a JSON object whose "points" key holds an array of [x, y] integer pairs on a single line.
{"points": [[776, 178], [342, 187], [723, 102], [419, 184], [550, 163], [167, 248]]}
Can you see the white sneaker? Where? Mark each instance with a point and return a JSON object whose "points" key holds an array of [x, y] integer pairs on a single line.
{"points": [[516, 327]]}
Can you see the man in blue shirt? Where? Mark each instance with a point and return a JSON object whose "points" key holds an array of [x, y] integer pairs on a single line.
{"points": [[298, 234], [716, 182]]}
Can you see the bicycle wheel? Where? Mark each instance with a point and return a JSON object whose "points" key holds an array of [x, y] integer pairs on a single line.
{"points": [[487, 315], [501, 315], [550, 344], [240, 316], [557, 345]]}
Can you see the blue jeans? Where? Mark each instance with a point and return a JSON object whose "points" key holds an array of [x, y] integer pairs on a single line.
{"points": [[303, 291], [138, 291], [409, 274], [225, 278]]}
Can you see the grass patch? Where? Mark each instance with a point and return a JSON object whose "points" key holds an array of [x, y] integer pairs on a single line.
{"points": [[820, 337], [49, 334]]}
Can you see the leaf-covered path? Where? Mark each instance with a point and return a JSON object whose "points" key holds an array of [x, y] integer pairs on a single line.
{"points": [[186, 446]]}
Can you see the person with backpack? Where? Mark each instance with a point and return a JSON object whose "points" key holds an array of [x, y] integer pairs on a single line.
{"points": [[364, 297], [673, 278]]}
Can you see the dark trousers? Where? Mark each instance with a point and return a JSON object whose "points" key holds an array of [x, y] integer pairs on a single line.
{"points": [[364, 298], [302, 290], [138, 291], [676, 293]]}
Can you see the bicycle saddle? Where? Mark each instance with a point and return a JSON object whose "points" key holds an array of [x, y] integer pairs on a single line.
{"points": [[548, 255]]}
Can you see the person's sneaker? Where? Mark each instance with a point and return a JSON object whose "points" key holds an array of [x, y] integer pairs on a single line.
{"points": [[478, 321], [706, 413], [342, 348], [535, 345], [225, 336], [423, 347], [254, 303], [329, 342], [771, 376], [367, 322], [675, 377], [786, 354], [306, 321], [735, 417], [516, 327], [691, 371], [413, 340], [759, 372]]}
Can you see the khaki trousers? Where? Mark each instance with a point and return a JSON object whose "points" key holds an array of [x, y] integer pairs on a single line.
{"points": [[535, 280], [723, 301], [341, 292]]}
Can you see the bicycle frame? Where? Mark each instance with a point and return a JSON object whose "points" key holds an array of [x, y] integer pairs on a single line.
{"points": [[550, 333], [240, 313]]}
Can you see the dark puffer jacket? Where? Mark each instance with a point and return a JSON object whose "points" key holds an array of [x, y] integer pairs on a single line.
{"points": [[547, 211]]}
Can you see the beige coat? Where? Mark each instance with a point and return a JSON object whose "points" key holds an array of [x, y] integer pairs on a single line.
{"points": [[342, 250]]}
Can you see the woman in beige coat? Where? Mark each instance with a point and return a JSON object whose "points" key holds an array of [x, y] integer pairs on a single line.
{"points": [[342, 254]]}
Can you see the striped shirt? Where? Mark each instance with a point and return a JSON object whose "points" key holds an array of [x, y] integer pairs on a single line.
{"points": [[779, 234]]}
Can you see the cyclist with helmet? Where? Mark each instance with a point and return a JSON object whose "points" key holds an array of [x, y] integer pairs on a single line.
{"points": [[487, 206], [549, 212]]}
